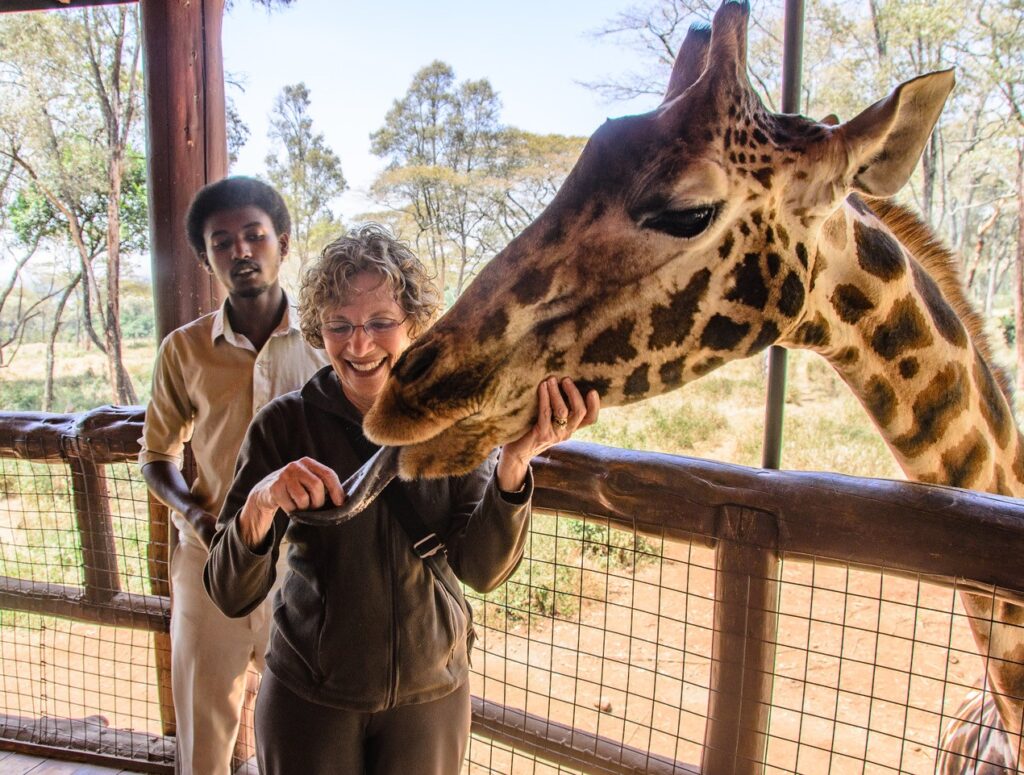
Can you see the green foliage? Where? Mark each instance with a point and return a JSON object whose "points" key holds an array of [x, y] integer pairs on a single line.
{"points": [[33, 216], [458, 180], [549, 581], [1008, 326], [305, 170]]}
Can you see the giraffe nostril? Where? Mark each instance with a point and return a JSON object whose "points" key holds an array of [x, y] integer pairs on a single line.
{"points": [[415, 363]]}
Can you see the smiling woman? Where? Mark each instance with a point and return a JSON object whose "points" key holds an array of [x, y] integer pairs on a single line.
{"points": [[330, 701]]}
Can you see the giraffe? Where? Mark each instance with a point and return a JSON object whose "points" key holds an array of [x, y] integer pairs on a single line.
{"points": [[705, 231]]}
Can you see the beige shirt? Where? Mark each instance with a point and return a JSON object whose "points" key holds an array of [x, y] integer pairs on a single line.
{"points": [[208, 383]]}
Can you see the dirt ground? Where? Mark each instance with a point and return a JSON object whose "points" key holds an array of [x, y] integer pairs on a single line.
{"points": [[866, 666]]}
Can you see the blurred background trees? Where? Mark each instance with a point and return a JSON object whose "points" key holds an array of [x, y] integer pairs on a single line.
{"points": [[455, 179]]}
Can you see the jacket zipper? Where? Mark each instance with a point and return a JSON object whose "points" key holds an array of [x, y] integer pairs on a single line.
{"points": [[393, 666]]}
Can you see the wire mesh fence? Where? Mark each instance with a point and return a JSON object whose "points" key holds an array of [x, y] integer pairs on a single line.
{"points": [[606, 652]]}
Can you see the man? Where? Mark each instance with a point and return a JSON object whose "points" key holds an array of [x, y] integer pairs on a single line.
{"points": [[210, 378]]}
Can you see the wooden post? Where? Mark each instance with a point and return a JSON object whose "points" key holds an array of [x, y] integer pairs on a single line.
{"points": [[187, 148], [92, 516], [743, 647]]}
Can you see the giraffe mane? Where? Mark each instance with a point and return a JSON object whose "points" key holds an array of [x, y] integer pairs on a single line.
{"points": [[944, 267]]}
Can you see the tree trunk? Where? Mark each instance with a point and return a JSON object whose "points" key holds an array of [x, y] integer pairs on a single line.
{"points": [[52, 341], [120, 380]]}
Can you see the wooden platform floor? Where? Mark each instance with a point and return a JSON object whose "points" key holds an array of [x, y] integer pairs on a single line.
{"points": [[22, 764]]}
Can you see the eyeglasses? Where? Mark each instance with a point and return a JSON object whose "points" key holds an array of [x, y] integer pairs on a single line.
{"points": [[339, 331]]}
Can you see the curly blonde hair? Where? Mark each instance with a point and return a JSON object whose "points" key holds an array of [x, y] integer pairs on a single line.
{"points": [[370, 248]]}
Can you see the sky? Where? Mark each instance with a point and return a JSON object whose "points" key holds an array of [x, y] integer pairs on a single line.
{"points": [[357, 58]]}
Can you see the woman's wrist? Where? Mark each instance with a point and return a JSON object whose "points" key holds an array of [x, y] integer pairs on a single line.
{"points": [[254, 524], [511, 472]]}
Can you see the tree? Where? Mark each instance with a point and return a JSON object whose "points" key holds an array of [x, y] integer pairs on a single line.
{"points": [[305, 170], [71, 99], [443, 142]]}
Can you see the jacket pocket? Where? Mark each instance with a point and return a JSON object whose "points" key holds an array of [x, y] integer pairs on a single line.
{"points": [[453, 617]]}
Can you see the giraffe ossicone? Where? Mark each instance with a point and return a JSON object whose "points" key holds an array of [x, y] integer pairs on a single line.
{"points": [[705, 231]]}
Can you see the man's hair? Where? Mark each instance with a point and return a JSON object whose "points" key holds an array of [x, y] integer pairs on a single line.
{"points": [[370, 248], [231, 194]]}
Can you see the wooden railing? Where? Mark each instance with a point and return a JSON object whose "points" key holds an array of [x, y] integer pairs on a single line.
{"points": [[750, 517]]}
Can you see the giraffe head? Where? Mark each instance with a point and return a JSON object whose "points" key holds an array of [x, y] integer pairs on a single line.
{"points": [[682, 239]]}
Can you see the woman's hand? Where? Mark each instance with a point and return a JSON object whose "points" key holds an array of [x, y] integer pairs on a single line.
{"points": [[301, 485], [556, 422]]}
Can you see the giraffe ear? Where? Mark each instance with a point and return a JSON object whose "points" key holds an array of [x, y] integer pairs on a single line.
{"points": [[691, 60], [886, 140]]}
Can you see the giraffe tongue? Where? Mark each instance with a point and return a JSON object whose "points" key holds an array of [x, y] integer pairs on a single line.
{"points": [[361, 489]]}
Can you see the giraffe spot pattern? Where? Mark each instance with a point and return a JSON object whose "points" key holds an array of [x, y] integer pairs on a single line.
{"points": [[555, 361], [936, 406], [909, 367], [814, 333], [858, 204], [801, 254], [1018, 460], [905, 329], [494, 325], [850, 303], [637, 383], [723, 333], [774, 263], [791, 296], [600, 384], [726, 247], [749, 287], [707, 365], [847, 356], [533, 285], [993, 406], [945, 319], [783, 235], [764, 177], [671, 323], [834, 231], [878, 253], [611, 345], [880, 399], [964, 463], [671, 373], [998, 485], [768, 335], [819, 266]]}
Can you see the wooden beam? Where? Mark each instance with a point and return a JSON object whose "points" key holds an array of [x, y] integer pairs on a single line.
{"points": [[187, 146], [11, 6]]}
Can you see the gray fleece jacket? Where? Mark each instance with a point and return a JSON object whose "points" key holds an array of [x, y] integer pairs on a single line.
{"points": [[360, 622]]}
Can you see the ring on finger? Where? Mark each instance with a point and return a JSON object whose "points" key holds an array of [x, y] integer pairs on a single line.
{"points": [[561, 422]]}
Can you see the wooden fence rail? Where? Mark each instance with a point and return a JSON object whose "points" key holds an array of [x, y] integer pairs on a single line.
{"points": [[750, 516]]}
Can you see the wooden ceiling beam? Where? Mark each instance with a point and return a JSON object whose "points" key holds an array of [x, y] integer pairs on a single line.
{"points": [[9, 6]]}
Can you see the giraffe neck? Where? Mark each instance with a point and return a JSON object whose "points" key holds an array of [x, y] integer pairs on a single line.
{"points": [[883, 322]]}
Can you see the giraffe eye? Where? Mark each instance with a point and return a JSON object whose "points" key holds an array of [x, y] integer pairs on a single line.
{"points": [[686, 223]]}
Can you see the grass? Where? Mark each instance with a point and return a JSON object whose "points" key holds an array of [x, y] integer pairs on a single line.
{"points": [[80, 377], [721, 417]]}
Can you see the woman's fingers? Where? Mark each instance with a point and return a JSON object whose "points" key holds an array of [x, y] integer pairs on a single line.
{"points": [[305, 484]]}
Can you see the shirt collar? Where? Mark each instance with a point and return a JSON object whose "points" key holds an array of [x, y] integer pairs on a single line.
{"points": [[222, 325]]}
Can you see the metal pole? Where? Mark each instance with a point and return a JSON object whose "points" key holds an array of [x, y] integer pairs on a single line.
{"points": [[792, 61]]}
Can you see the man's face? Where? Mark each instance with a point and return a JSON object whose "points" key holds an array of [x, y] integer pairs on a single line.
{"points": [[243, 250]]}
